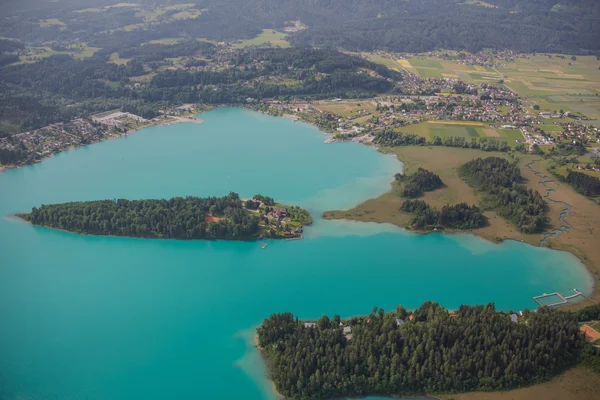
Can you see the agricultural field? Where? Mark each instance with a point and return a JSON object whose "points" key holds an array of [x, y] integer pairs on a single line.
{"points": [[83, 51], [37, 53], [277, 39], [429, 67], [107, 7], [465, 129], [47, 23], [388, 61], [166, 41], [553, 83]]}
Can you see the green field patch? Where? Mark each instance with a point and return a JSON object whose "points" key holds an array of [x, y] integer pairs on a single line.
{"points": [[510, 135], [48, 23], [551, 128], [472, 131], [83, 51], [429, 73], [166, 41], [444, 131], [191, 14], [388, 62], [420, 129], [425, 62], [275, 38], [115, 59]]}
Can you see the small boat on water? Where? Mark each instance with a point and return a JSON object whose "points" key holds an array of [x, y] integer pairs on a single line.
{"points": [[264, 245]]}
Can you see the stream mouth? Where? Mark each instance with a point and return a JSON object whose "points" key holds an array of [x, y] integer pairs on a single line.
{"points": [[565, 226]]}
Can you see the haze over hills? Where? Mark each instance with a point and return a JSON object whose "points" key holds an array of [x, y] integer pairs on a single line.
{"points": [[567, 26]]}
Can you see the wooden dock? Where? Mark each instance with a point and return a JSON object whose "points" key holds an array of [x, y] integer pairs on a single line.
{"points": [[563, 299]]}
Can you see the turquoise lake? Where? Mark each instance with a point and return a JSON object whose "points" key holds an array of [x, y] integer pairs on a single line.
{"points": [[93, 318]]}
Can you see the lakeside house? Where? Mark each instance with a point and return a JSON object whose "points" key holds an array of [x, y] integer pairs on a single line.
{"points": [[279, 213], [514, 317], [310, 325], [399, 322], [347, 330]]}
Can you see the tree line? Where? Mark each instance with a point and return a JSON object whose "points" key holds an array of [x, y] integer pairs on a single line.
{"points": [[426, 351], [391, 138], [501, 180], [585, 184], [459, 216]]}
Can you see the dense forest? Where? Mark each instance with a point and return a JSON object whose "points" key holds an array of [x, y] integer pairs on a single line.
{"points": [[177, 218], [420, 181], [585, 184], [568, 26], [391, 138], [460, 216], [500, 181], [426, 351]]}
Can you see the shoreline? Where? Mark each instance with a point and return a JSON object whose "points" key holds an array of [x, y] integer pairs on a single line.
{"points": [[176, 120], [580, 255], [16, 217]]}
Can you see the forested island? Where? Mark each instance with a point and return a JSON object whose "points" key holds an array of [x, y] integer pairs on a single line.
{"points": [[429, 350], [500, 181], [211, 218]]}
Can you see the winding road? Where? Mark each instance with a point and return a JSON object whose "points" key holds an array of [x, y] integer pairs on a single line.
{"points": [[565, 227]]}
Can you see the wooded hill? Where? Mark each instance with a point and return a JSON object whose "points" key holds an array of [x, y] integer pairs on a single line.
{"points": [[568, 26]]}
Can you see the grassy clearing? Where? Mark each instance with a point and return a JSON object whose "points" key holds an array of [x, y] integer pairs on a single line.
{"points": [[35, 54], [47, 23], [166, 41], [93, 9], [186, 15], [115, 59], [83, 51], [387, 61], [347, 109], [511, 135], [479, 3], [277, 39]]}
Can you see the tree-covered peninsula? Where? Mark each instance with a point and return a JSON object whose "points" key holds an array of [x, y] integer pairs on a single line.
{"points": [[429, 350], [211, 218]]}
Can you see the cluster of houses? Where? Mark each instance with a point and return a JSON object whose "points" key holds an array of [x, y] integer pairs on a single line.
{"points": [[534, 135], [117, 118], [55, 138], [586, 133]]}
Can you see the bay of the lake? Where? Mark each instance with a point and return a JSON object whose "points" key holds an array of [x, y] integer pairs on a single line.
{"points": [[84, 317]]}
